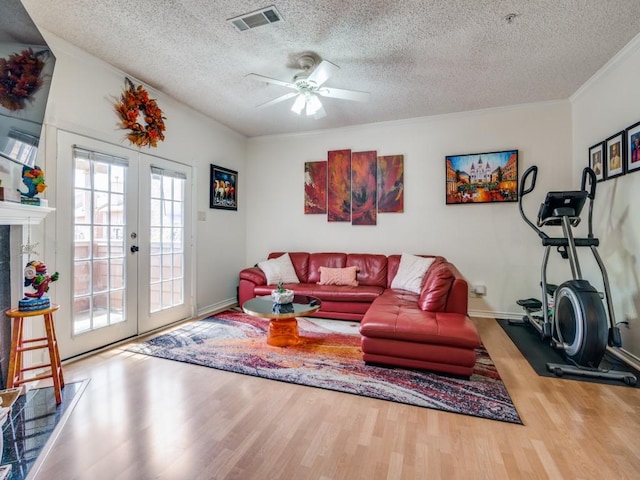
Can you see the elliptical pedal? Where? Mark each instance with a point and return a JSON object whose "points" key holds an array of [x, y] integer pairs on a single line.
{"points": [[531, 304]]}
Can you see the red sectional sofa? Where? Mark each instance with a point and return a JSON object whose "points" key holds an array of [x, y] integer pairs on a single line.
{"points": [[430, 330]]}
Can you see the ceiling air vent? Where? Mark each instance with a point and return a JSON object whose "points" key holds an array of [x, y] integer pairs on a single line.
{"points": [[255, 19]]}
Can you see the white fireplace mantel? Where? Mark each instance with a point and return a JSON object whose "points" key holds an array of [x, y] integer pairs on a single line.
{"points": [[12, 213]]}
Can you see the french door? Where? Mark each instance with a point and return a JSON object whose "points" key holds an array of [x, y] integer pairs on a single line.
{"points": [[164, 292], [128, 232]]}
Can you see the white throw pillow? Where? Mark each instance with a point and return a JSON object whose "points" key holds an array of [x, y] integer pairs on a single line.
{"points": [[411, 272], [278, 270]]}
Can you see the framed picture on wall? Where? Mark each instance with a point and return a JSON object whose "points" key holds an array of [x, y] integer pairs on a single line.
{"points": [[614, 146], [633, 147], [596, 160], [482, 177], [223, 188]]}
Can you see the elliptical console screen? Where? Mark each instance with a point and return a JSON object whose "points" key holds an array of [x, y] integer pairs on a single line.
{"points": [[573, 200]]}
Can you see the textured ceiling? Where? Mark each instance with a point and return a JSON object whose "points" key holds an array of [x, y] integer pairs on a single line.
{"points": [[416, 57]]}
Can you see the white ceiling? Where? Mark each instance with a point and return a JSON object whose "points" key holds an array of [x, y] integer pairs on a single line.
{"points": [[416, 57]]}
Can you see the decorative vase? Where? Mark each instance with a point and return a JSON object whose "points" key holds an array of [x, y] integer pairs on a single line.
{"points": [[279, 297]]}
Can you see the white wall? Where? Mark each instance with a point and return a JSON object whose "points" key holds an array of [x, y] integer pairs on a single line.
{"points": [[83, 93], [489, 243], [607, 104]]}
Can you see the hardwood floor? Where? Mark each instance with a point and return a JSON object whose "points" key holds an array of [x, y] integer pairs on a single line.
{"points": [[147, 418]]}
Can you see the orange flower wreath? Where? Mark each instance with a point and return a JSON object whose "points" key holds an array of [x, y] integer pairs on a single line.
{"points": [[135, 103]]}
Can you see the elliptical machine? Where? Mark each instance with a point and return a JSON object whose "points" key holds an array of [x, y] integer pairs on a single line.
{"points": [[573, 318]]}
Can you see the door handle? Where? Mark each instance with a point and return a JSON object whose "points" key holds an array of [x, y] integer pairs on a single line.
{"points": [[134, 248]]}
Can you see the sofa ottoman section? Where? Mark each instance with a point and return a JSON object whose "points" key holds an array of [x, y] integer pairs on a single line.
{"points": [[404, 329]]}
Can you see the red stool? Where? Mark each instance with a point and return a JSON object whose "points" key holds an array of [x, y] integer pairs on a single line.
{"points": [[19, 345]]}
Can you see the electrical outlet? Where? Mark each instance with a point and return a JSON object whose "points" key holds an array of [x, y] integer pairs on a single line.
{"points": [[479, 290]]}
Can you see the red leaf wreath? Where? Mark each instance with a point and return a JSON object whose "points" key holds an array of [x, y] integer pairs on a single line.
{"points": [[20, 78], [135, 103]]}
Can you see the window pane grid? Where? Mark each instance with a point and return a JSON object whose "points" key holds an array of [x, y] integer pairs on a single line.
{"points": [[99, 259], [167, 240]]}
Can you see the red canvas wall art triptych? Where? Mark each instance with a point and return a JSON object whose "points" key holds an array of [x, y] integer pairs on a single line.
{"points": [[339, 187], [391, 184], [364, 172], [354, 186], [315, 187]]}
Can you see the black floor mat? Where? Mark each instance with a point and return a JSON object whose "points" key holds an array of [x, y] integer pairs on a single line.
{"points": [[538, 354]]}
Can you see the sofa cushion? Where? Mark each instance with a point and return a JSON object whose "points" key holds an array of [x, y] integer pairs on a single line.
{"points": [[372, 268], [278, 270], [331, 260], [338, 276], [411, 272], [395, 316], [435, 290]]}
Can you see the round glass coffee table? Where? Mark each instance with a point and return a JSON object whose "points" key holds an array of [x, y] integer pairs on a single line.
{"points": [[283, 326]]}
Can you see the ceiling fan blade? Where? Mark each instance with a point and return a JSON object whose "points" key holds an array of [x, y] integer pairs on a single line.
{"points": [[344, 94], [322, 72], [262, 78], [284, 97]]}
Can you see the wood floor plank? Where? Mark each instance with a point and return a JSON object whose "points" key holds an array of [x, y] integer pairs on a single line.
{"points": [[147, 418]]}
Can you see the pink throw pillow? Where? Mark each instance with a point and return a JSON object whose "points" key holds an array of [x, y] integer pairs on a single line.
{"points": [[338, 276]]}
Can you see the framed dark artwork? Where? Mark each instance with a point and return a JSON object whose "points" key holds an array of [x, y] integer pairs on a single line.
{"points": [[482, 177], [339, 186], [391, 184], [614, 161], [596, 160], [315, 187], [223, 188], [633, 147], [364, 174]]}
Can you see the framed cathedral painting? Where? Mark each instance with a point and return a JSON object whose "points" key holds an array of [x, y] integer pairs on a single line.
{"points": [[482, 177]]}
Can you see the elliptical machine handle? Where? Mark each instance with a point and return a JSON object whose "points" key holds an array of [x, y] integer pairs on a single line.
{"points": [[523, 190], [531, 170], [588, 172]]}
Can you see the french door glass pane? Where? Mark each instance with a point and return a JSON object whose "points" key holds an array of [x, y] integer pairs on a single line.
{"points": [[99, 243], [166, 275]]}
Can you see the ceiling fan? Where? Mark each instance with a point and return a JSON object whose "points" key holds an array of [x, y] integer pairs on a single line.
{"points": [[308, 86]]}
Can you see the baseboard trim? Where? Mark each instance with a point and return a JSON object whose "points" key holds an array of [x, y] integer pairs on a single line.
{"points": [[493, 314], [216, 307]]}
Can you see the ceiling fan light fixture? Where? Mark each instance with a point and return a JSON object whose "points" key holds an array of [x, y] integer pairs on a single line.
{"points": [[308, 89], [313, 105], [299, 104]]}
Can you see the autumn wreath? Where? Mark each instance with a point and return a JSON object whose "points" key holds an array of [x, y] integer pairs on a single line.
{"points": [[20, 78], [135, 107]]}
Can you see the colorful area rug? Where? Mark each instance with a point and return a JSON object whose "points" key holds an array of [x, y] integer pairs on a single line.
{"points": [[329, 356]]}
